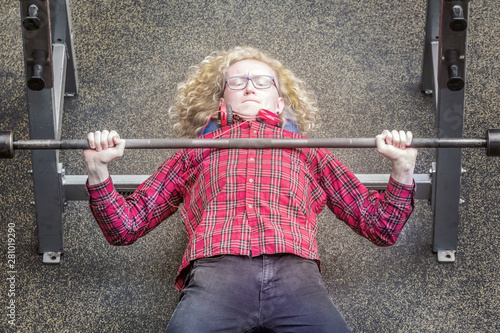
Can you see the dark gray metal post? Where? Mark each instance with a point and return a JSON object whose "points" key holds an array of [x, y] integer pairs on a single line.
{"points": [[45, 95], [449, 121], [46, 178]]}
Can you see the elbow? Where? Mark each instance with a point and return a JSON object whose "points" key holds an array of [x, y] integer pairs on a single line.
{"points": [[120, 241], [386, 240], [116, 242], [384, 243]]}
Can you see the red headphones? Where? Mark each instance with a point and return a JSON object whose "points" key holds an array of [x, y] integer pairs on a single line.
{"points": [[269, 117], [226, 116]]}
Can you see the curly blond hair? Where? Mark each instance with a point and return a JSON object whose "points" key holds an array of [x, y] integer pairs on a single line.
{"points": [[198, 97]]}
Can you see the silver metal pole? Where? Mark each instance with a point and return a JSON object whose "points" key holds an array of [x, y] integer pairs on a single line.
{"points": [[251, 143]]}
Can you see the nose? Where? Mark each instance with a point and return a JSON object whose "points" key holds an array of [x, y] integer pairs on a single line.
{"points": [[250, 88]]}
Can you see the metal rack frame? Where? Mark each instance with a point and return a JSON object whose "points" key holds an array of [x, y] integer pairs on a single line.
{"points": [[48, 44]]}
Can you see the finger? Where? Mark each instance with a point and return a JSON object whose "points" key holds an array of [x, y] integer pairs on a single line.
{"points": [[104, 139], [388, 137], [395, 138], [97, 136], [91, 139], [402, 139], [409, 138], [120, 145], [112, 137]]}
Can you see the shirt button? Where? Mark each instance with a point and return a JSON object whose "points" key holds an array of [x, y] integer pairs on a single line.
{"points": [[254, 132], [250, 180], [252, 160], [250, 206]]}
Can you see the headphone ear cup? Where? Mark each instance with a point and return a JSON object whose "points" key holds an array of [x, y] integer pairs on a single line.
{"points": [[229, 115], [223, 115], [270, 117]]}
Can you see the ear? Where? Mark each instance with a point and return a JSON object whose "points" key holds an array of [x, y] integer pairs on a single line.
{"points": [[280, 105], [221, 101]]}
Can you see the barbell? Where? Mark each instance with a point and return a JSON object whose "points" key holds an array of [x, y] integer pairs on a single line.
{"points": [[492, 143]]}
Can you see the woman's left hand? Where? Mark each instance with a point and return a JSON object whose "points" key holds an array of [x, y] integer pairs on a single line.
{"points": [[394, 146]]}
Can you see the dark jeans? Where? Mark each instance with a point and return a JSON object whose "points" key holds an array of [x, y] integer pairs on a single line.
{"points": [[270, 293]]}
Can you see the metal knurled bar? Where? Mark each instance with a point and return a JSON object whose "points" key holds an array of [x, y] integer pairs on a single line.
{"points": [[251, 143]]}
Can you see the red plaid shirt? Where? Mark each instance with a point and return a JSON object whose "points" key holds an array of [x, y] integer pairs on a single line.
{"points": [[251, 201]]}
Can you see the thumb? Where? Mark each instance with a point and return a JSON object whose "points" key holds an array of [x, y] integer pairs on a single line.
{"points": [[117, 140], [381, 138]]}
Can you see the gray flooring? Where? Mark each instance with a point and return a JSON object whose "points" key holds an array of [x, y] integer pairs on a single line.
{"points": [[362, 58]]}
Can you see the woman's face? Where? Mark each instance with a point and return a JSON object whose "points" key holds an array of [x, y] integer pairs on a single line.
{"points": [[247, 102]]}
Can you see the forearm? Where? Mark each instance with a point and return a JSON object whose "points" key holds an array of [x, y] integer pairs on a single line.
{"points": [[379, 218], [97, 172], [125, 220], [376, 217], [120, 220], [403, 172]]}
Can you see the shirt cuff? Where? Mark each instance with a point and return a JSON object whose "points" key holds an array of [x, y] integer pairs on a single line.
{"points": [[100, 192], [397, 191]]}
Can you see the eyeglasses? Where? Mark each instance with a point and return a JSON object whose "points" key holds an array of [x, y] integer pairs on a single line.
{"points": [[258, 81]]}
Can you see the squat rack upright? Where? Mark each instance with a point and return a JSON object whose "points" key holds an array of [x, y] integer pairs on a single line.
{"points": [[51, 75]]}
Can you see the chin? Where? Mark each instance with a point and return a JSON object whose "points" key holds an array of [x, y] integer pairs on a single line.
{"points": [[247, 114]]}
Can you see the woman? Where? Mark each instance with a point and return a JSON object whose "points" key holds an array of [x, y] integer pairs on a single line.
{"points": [[251, 263]]}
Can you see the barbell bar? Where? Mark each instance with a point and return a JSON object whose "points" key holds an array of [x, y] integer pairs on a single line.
{"points": [[492, 143]]}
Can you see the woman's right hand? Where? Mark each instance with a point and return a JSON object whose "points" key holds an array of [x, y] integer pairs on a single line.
{"points": [[106, 147]]}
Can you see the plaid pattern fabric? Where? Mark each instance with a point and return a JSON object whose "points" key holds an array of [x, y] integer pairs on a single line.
{"points": [[251, 201]]}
